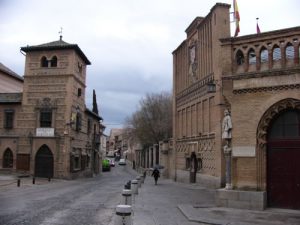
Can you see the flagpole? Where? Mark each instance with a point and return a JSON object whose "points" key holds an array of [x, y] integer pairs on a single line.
{"points": [[257, 27]]}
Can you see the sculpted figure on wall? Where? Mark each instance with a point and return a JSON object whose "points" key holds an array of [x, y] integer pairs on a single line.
{"points": [[226, 127], [193, 61]]}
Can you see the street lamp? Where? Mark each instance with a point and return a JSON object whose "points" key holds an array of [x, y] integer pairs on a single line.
{"points": [[211, 87]]}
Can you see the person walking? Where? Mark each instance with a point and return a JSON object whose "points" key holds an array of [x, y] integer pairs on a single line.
{"points": [[156, 175]]}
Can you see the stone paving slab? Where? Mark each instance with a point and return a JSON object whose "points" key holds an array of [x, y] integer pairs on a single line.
{"points": [[229, 216], [172, 203]]}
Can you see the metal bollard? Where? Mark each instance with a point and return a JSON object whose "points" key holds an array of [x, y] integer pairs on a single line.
{"points": [[134, 187], [33, 180], [138, 178], [123, 213], [126, 197], [49, 179], [19, 182]]}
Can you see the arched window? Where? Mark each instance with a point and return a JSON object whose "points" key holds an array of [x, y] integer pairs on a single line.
{"points": [[264, 56], [8, 159], [286, 126], [251, 57], [44, 62], [289, 51], [54, 61], [276, 53], [239, 57]]}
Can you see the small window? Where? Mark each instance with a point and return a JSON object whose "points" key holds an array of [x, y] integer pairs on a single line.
{"points": [[46, 118], [289, 51], [240, 59], [79, 68], [9, 119], [44, 62], [54, 61], [79, 92], [276, 53], [251, 57], [78, 122], [264, 56], [89, 125]]}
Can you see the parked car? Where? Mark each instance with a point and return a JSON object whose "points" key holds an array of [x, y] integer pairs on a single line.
{"points": [[122, 162], [105, 165]]}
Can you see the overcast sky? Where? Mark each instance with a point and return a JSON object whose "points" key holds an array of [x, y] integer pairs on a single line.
{"points": [[129, 42]]}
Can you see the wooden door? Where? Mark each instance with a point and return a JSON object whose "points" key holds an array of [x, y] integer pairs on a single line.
{"points": [[44, 162], [23, 162], [283, 161]]}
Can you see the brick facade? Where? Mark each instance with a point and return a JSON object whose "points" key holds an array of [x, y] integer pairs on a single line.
{"points": [[257, 78]]}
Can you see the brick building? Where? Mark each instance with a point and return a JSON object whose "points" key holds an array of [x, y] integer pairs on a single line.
{"points": [[46, 129], [257, 78]]}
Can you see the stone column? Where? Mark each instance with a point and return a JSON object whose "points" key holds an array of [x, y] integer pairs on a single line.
{"points": [[227, 154]]}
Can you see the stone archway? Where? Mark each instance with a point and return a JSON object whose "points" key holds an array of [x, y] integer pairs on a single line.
{"points": [[193, 168], [8, 159], [44, 163], [262, 149]]}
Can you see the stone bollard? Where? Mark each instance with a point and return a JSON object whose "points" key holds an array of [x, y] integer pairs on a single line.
{"points": [[138, 178], [127, 200], [134, 187], [142, 179], [123, 213]]}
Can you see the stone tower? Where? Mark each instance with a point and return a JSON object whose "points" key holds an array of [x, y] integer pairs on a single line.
{"points": [[53, 108]]}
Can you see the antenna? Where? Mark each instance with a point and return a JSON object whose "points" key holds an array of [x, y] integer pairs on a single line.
{"points": [[60, 32]]}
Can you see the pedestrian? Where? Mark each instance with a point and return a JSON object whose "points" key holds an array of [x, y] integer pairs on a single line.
{"points": [[156, 175]]}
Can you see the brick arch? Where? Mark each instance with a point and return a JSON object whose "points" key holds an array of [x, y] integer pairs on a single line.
{"points": [[261, 136]]}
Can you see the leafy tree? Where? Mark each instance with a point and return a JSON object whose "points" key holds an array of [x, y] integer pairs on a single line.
{"points": [[152, 122]]}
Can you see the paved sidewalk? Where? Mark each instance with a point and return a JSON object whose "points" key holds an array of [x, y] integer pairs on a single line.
{"points": [[171, 203]]}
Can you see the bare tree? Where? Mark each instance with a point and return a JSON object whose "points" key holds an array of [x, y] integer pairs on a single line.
{"points": [[153, 121]]}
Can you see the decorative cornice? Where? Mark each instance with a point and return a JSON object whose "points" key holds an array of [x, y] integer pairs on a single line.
{"points": [[260, 74], [265, 89], [197, 89]]}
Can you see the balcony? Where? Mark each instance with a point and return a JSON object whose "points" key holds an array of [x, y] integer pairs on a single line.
{"points": [[264, 61]]}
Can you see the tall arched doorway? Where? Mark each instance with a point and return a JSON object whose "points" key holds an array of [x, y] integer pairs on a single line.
{"points": [[44, 162], [8, 159], [193, 168], [283, 160]]}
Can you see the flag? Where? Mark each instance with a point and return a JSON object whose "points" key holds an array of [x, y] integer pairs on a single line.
{"points": [[257, 27], [236, 18]]}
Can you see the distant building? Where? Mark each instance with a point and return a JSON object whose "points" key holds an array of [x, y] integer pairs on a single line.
{"points": [[115, 142], [10, 82], [45, 128], [257, 79]]}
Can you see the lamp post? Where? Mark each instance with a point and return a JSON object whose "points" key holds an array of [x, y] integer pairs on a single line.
{"points": [[211, 87]]}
